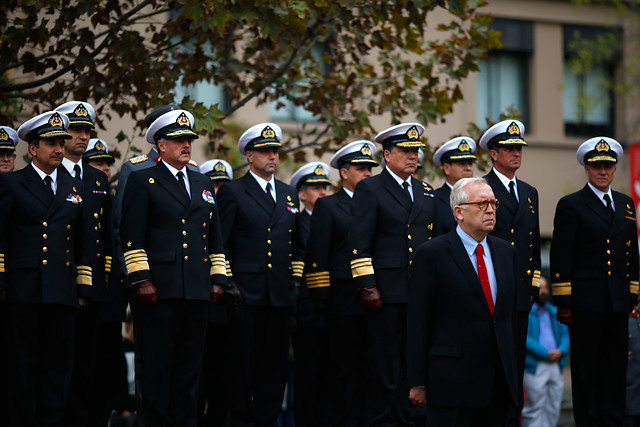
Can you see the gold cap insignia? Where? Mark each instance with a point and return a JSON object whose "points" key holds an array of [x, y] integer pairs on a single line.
{"points": [[602, 146], [4, 136], [513, 129], [56, 120], [268, 133], [319, 171], [464, 146], [413, 133], [80, 111], [183, 120], [365, 150], [219, 167], [100, 146]]}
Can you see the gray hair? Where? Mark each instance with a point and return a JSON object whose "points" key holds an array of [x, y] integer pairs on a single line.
{"points": [[459, 194]]}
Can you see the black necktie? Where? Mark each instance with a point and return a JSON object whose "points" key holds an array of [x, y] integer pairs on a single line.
{"points": [[180, 176], [405, 185], [76, 169], [512, 191], [269, 194], [48, 183], [607, 200]]}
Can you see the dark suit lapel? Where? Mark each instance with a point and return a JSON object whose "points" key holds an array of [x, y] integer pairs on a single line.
{"points": [[461, 257], [594, 203], [501, 193], [524, 203], [498, 256], [171, 184], [36, 186], [196, 186], [64, 188], [396, 191], [254, 190]]}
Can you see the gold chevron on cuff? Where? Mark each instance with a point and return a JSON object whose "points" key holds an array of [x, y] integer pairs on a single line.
{"points": [[361, 267], [561, 289], [136, 260]]}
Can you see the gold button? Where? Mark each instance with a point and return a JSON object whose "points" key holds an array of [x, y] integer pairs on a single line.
{"points": [[268, 242], [204, 224], [608, 241], [410, 262], [409, 237], [512, 231], [95, 215], [530, 233], [204, 249], [289, 241], [205, 260], [269, 265], [67, 264], [97, 242], [95, 228], [408, 225], [44, 236], [184, 245], [410, 249], [530, 246], [44, 249], [289, 231], [204, 236], [67, 251], [528, 272], [184, 221], [98, 255], [608, 252], [609, 273], [68, 226], [530, 259], [184, 233], [513, 243], [44, 224], [608, 262], [68, 238], [186, 258], [44, 262], [269, 230], [268, 253]]}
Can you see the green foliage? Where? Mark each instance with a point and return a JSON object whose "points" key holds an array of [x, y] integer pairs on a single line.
{"points": [[380, 58]]}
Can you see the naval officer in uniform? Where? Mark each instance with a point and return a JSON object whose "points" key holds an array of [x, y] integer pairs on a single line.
{"points": [[456, 158], [8, 141], [330, 283], [392, 214], [594, 275], [259, 216], [175, 263]]}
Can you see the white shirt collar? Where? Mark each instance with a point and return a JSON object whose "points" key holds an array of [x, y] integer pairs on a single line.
{"points": [[469, 242], [601, 194], [263, 182], [449, 185], [505, 181], [175, 171], [399, 180], [41, 174], [349, 192], [308, 211], [68, 165]]}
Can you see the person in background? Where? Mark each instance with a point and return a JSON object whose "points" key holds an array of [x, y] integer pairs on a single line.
{"points": [[8, 141], [218, 170], [547, 349]]}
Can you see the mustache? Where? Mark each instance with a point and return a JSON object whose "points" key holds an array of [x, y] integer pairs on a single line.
{"points": [[185, 151]]}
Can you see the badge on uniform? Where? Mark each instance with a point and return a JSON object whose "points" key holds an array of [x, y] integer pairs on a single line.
{"points": [[208, 197], [292, 209], [99, 192], [74, 198]]}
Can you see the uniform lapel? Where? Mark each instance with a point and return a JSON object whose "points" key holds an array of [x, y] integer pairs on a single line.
{"points": [[171, 184], [281, 202], [36, 186], [419, 198], [596, 205], [396, 191], [501, 193], [344, 201], [524, 203], [62, 191], [254, 190], [197, 187], [620, 212], [497, 256]]}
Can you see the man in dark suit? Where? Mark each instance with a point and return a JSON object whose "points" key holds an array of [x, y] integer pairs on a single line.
{"points": [[175, 262], [309, 337], [517, 223], [462, 292], [42, 263], [330, 285], [97, 208], [456, 158], [594, 273], [259, 217], [392, 214]]}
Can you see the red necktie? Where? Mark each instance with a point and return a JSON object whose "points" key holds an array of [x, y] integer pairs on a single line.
{"points": [[484, 277]]}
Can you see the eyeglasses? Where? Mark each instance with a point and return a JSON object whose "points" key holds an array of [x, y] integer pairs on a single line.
{"points": [[484, 204]]}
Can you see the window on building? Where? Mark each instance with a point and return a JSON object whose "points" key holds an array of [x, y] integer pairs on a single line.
{"points": [[283, 109], [503, 79], [588, 98]]}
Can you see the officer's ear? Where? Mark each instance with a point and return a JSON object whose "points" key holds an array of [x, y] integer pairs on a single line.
{"points": [[457, 212], [161, 146], [446, 168], [494, 155], [33, 146], [249, 155], [387, 154]]}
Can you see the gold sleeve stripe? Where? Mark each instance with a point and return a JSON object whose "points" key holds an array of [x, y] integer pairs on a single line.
{"points": [[318, 280], [107, 263], [218, 265], [633, 287], [560, 289], [84, 275], [136, 260], [1, 263], [361, 267], [536, 278], [228, 267], [298, 268]]}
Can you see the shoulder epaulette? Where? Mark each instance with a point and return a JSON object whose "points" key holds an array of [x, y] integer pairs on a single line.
{"points": [[192, 163], [139, 159]]}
